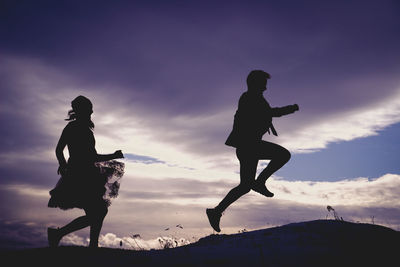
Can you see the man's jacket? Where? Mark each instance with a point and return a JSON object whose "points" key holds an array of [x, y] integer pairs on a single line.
{"points": [[253, 119]]}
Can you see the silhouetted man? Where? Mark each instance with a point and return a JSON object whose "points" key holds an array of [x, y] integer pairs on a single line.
{"points": [[253, 119]]}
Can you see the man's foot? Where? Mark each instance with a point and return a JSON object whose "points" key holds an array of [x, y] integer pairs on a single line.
{"points": [[214, 217], [53, 237], [262, 189]]}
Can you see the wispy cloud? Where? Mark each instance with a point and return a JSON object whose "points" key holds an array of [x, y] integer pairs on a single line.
{"points": [[345, 126], [377, 192], [143, 159]]}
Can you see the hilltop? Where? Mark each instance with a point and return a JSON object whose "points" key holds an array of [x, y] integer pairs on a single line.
{"points": [[312, 243]]}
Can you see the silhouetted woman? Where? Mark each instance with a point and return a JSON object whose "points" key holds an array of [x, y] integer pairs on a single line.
{"points": [[253, 119], [88, 180]]}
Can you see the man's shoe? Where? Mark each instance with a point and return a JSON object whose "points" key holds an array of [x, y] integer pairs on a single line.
{"points": [[214, 217], [262, 189]]}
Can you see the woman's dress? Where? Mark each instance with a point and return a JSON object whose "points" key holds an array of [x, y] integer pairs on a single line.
{"points": [[85, 183]]}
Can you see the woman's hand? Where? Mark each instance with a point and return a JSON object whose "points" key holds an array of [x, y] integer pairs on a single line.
{"points": [[62, 170], [118, 154], [296, 107]]}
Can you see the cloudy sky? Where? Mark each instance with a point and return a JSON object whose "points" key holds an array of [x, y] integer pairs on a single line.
{"points": [[165, 78]]}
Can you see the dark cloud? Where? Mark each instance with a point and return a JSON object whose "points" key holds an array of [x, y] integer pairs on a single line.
{"points": [[165, 60], [192, 58], [30, 171], [19, 235]]}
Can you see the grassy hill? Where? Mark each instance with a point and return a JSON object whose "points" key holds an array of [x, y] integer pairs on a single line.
{"points": [[312, 243]]}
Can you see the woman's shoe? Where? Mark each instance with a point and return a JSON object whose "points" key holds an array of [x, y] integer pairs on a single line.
{"points": [[53, 237]]}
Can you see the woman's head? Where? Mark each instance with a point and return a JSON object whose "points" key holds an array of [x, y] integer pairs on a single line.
{"points": [[257, 80], [82, 109]]}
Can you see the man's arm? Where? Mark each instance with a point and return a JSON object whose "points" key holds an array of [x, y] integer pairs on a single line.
{"points": [[278, 112]]}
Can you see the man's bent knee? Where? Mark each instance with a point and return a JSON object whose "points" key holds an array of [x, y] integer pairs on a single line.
{"points": [[286, 155], [283, 156]]}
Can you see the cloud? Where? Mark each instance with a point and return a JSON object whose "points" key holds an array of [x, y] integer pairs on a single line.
{"points": [[74, 240], [26, 190], [20, 234], [135, 242], [354, 199], [33, 107], [157, 204], [377, 192], [143, 159], [17, 234], [152, 93], [165, 86], [185, 138], [345, 126]]}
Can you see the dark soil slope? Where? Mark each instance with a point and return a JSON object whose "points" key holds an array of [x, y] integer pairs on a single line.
{"points": [[313, 243]]}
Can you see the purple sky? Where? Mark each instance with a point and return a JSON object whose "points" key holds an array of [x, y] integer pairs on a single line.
{"points": [[165, 78]]}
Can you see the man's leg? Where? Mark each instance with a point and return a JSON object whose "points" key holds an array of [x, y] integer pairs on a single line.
{"points": [[278, 155], [248, 168]]}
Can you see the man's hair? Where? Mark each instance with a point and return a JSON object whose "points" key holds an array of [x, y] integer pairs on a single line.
{"points": [[255, 77]]}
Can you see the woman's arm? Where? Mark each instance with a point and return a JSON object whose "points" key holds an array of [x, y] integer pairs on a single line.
{"points": [[62, 142], [105, 157]]}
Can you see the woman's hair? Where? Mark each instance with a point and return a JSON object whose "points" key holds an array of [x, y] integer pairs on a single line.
{"points": [[255, 77], [81, 106]]}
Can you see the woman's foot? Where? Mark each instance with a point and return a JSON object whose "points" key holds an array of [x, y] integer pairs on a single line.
{"points": [[262, 189], [53, 237], [214, 217], [96, 245]]}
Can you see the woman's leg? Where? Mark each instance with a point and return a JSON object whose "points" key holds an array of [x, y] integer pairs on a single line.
{"points": [[96, 215], [75, 225], [55, 235]]}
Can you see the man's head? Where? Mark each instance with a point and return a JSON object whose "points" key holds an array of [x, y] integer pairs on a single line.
{"points": [[257, 80]]}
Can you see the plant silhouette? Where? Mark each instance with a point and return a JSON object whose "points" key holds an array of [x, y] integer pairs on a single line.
{"points": [[88, 180], [252, 120]]}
